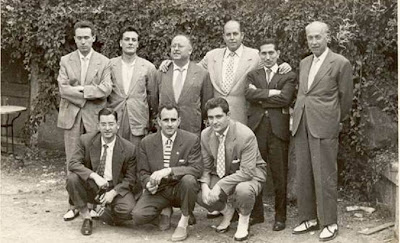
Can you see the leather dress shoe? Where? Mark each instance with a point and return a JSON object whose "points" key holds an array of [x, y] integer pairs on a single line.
{"points": [[179, 234], [213, 216], [242, 238], [305, 227], [192, 219], [221, 231], [71, 214], [278, 226], [87, 227], [256, 220]]}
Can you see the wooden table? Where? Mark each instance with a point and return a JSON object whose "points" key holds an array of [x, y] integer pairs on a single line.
{"points": [[8, 110]]}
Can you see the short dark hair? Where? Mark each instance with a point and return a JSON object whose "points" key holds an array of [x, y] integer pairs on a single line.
{"points": [[168, 106], [270, 41], [217, 102], [128, 28], [85, 24], [106, 112]]}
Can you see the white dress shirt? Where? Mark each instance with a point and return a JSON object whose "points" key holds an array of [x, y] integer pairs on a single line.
{"points": [[176, 72], [237, 56], [316, 64], [127, 73], [84, 64], [165, 139], [274, 69], [108, 165]]}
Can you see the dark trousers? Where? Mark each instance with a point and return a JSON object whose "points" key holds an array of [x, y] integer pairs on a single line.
{"points": [[274, 151], [316, 175], [182, 195], [82, 192]]}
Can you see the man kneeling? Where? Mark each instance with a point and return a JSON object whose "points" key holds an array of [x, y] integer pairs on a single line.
{"points": [[103, 161], [233, 168], [169, 166]]}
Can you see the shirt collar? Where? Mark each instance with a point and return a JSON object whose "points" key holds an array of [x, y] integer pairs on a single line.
{"points": [[110, 144], [87, 56], [274, 68], [128, 64], [224, 133], [165, 139], [322, 56], [238, 52], [185, 67]]}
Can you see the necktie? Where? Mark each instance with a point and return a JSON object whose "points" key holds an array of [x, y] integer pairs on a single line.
{"points": [[268, 71], [221, 156], [313, 72], [229, 73], [84, 68], [102, 165], [167, 153], [178, 85]]}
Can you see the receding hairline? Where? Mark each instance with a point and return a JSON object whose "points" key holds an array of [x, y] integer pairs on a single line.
{"points": [[324, 26], [233, 22], [185, 36]]}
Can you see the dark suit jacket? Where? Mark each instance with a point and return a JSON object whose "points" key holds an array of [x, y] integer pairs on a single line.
{"points": [[277, 106], [329, 99], [243, 159], [185, 157], [197, 89], [86, 159]]}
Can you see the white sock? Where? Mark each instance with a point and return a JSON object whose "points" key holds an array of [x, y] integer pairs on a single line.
{"points": [[243, 226], [184, 221]]}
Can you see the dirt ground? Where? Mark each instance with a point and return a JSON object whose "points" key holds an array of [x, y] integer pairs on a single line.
{"points": [[34, 199]]}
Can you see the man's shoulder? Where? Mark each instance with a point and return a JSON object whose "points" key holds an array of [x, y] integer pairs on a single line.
{"points": [[205, 134], [216, 51], [250, 50], [187, 135], [338, 57], [241, 130], [145, 62], [256, 71], [99, 56]]}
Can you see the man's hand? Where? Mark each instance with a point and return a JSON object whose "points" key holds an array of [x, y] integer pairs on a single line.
{"points": [[100, 181], [156, 177], [214, 194], [205, 192], [164, 66], [284, 68], [108, 197], [151, 188], [273, 92], [251, 86]]}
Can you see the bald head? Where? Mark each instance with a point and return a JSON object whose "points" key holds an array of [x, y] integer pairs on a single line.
{"points": [[317, 37], [181, 48]]}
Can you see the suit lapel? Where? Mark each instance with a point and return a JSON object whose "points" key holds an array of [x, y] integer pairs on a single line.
{"points": [[158, 151], [117, 67], [242, 67], [273, 84], [189, 80], [169, 83], [305, 71], [325, 67], [175, 149], [262, 78], [218, 59], [76, 66], [137, 70], [229, 144], [117, 160], [93, 68], [213, 143], [95, 151]]}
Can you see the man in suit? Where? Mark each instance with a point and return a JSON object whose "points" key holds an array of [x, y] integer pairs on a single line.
{"points": [[103, 160], [228, 67], [169, 166], [84, 83], [324, 100], [134, 92], [270, 95], [233, 168], [186, 85]]}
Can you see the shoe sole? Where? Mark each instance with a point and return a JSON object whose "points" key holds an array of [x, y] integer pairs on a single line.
{"points": [[331, 237], [221, 231]]}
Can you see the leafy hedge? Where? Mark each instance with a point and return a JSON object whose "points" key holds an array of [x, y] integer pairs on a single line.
{"points": [[365, 31]]}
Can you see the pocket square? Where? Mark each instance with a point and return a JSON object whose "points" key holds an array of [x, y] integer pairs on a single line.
{"points": [[181, 161], [235, 161]]}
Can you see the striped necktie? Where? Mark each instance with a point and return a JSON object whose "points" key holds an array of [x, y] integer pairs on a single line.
{"points": [[167, 153]]}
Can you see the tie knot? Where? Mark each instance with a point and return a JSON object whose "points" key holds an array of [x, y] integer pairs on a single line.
{"points": [[232, 54], [180, 69], [268, 70], [316, 59], [221, 137], [169, 142], [105, 146]]}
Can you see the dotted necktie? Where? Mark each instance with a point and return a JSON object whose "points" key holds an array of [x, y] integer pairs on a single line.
{"points": [[229, 73], [167, 153], [178, 85], [102, 165], [221, 156]]}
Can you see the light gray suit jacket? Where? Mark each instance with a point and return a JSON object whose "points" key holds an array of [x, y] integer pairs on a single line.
{"points": [[97, 87], [243, 161], [140, 102], [329, 99], [249, 61]]}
